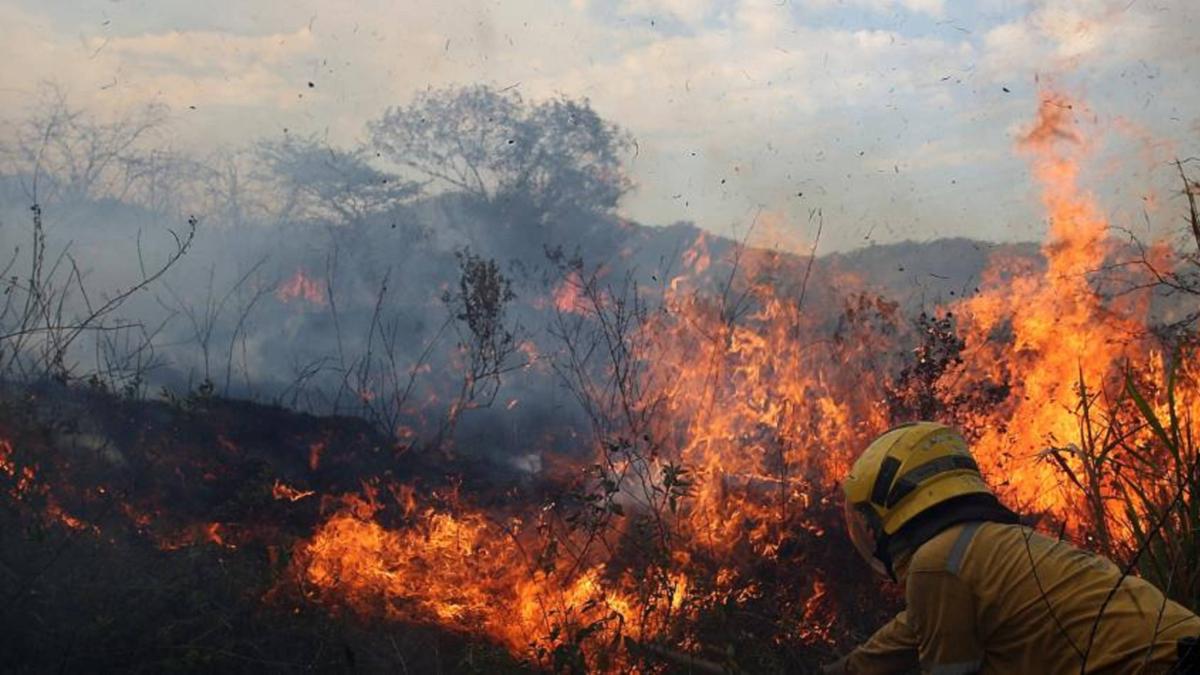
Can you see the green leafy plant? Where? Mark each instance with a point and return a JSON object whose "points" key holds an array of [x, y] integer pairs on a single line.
{"points": [[1164, 513]]}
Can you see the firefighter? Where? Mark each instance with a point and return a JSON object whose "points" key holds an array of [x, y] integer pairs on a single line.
{"points": [[984, 593]]}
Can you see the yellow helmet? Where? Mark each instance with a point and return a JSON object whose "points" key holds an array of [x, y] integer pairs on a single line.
{"points": [[903, 473]]}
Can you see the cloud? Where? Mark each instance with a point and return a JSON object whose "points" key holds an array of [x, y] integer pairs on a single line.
{"points": [[751, 95], [178, 68], [687, 11], [209, 68], [1066, 36], [935, 8], [764, 95]]}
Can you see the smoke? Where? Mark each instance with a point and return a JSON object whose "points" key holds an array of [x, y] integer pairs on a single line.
{"points": [[325, 278], [319, 278]]}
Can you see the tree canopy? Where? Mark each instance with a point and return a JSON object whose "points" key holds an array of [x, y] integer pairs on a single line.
{"points": [[320, 180], [550, 159]]}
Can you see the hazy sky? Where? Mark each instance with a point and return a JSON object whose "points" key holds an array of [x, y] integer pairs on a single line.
{"points": [[895, 118]]}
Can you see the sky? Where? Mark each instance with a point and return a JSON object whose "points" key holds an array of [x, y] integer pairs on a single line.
{"points": [[895, 118]]}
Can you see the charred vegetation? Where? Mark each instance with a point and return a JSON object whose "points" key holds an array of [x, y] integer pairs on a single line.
{"points": [[485, 425]]}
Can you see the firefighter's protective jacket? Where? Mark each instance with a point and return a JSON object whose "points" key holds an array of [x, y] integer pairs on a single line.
{"points": [[994, 598]]}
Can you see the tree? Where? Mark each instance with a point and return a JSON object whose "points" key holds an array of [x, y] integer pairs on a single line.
{"points": [[549, 159], [1173, 272], [323, 181], [167, 182], [63, 153], [233, 192], [487, 339]]}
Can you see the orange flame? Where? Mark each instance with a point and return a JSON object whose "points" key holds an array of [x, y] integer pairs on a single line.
{"points": [[23, 476], [314, 455], [301, 287], [283, 491], [1062, 335], [452, 569], [755, 419]]}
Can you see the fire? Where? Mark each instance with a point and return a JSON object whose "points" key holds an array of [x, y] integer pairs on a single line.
{"points": [[314, 455], [749, 425], [567, 297], [723, 406], [696, 261], [744, 418], [55, 512], [210, 533], [22, 476], [6, 461], [281, 490], [1061, 333], [675, 493], [302, 287], [456, 569]]}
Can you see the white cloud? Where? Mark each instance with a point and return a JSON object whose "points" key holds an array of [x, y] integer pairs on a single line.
{"points": [[1070, 35], [178, 68], [753, 91], [934, 8], [687, 11]]}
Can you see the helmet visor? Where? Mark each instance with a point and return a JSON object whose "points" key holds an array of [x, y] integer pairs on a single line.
{"points": [[863, 538]]}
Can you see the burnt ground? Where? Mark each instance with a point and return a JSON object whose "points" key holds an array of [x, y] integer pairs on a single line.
{"points": [[156, 535], [144, 536]]}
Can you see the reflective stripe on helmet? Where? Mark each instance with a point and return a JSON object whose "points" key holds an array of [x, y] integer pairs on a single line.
{"points": [[883, 481], [909, 481]]}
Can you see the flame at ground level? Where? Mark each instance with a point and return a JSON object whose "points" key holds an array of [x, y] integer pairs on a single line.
{"points": [[744, 418], [301, 287], [464, 572]]}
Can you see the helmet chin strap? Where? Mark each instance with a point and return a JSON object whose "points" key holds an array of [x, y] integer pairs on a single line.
{"points": [[883, 548], [883, 553]]}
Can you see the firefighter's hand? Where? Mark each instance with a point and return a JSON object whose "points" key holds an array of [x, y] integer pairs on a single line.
{"points": [[836, 668]]}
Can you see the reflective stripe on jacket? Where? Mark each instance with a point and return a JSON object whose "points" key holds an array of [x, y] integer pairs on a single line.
{"points": [[995, 599]]}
